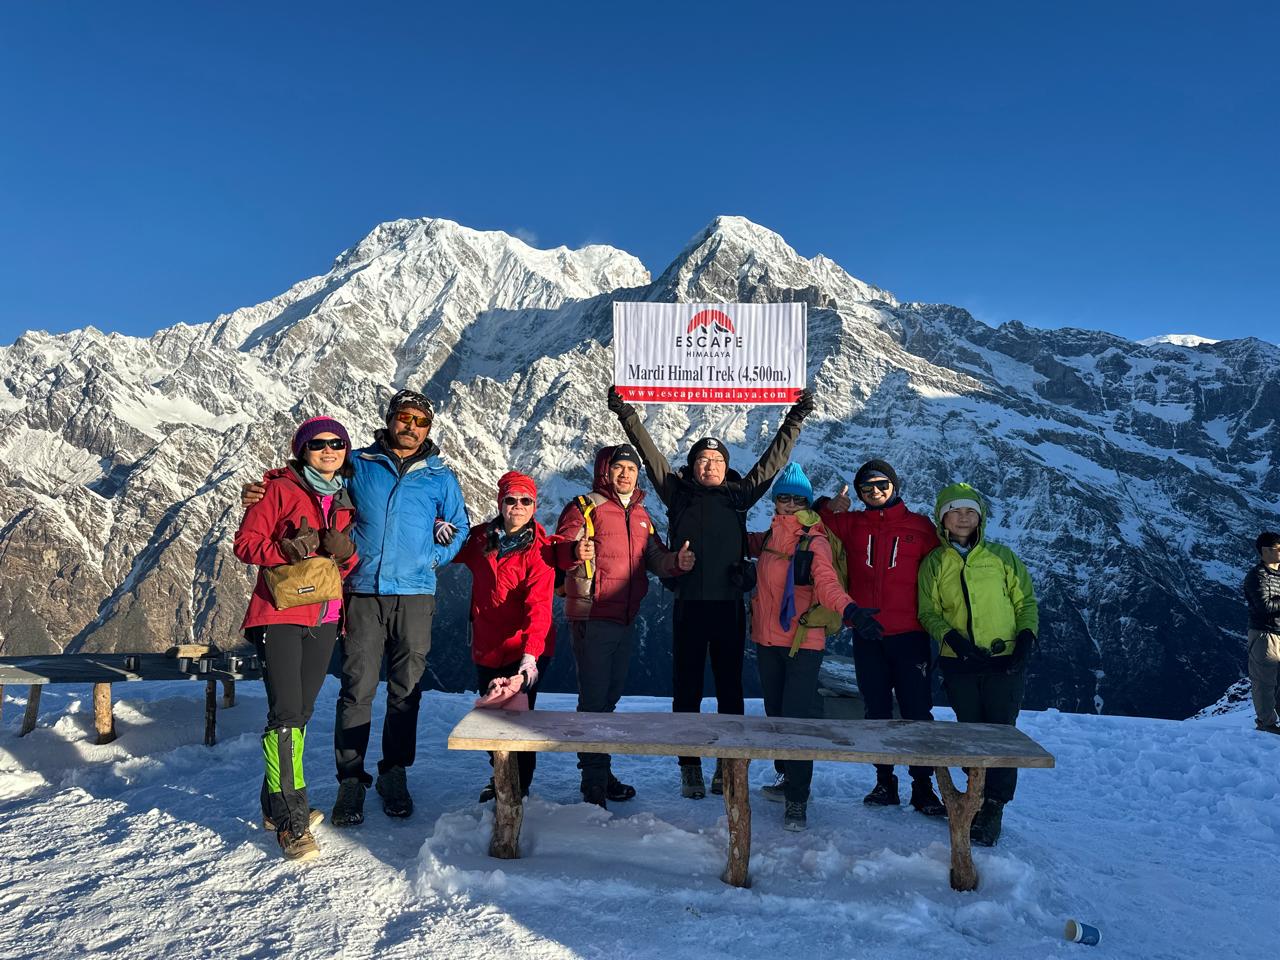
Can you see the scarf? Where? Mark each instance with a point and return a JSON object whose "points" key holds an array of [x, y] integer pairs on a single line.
{"points": [[326, 488]]}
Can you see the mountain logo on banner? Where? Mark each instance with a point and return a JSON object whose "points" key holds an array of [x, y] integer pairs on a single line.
{"points": [[718, 320]]}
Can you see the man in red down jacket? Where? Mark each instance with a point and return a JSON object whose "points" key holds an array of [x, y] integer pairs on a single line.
{"points": [[512, 585], [609, 543], [885, 544]]}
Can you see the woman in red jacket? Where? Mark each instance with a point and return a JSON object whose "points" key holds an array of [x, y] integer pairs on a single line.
{"points": [[306, 511], [512, 585]]}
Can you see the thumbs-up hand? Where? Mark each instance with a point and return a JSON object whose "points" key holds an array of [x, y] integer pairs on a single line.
{"points": [[302, 545], [586, 552], [840, 503], [685, 558]]}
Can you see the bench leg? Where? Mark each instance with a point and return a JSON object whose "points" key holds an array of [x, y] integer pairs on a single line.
{"points": [[228, 693], [961, 809], [737, 805], [33, 709], [508, 811], [103, 720], [210, 713]]}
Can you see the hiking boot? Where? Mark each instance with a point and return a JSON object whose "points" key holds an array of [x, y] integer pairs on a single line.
{"points": [[348, 809], [301, 848], [595, 794], [314, 820], [489, 792], [394, 791], [717, 780], [691, 785], [793, 817], [776, 791], [884, 793], [986, 825], [617, 791], [1268, 727], [925, 800]]}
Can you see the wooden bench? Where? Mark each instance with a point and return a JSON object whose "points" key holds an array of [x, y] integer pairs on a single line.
{"points": [[102, 670], [739, 740]]}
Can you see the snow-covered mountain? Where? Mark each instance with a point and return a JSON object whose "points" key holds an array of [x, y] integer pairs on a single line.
{"points": [[1178, 340], [1132, 478]]}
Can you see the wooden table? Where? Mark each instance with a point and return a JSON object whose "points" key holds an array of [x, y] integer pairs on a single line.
{"points": [[102, 670], [738, 740]]}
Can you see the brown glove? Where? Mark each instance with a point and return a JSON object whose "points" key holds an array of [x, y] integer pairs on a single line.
{"points": [[296, 549], [337, 544]]}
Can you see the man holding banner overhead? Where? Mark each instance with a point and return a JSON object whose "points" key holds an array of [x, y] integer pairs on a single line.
{"points": [[709, 353]]}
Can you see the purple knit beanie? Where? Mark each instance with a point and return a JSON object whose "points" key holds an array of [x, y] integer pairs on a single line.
{"points": [[316, 425]]}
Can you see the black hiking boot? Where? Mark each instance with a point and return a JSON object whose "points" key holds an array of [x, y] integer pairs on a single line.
{"points": [[794, 817], [691, 783], [986, 825], [348, 809], [717, 780], [595, 794], [394, 791], [776, 791], [884, 793], [1268, 727], [488, 793], [617, 791], [925, 800]]}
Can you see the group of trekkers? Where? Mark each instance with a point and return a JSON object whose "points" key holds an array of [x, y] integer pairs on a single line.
{"points": [[387, 517]]}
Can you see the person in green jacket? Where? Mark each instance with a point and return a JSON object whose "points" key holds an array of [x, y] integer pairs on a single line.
{"points": [[976, 599]]}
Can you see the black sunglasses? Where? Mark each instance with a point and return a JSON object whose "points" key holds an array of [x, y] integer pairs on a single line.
{"points": [[791, 498], [333, 443], [512, 501], [882, 485]]}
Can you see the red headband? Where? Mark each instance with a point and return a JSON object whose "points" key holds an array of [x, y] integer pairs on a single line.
{"points": [[513, 481]]}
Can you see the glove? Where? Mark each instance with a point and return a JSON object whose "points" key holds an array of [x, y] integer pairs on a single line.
{"points": [[1023, 643], [617, 406], [529, 667], [296, 549], [862, 621], [337, 544], [963, 647], [444, 532], [802, 407]]}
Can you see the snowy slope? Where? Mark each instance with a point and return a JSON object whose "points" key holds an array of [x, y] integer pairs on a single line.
{"points": [[1178, 340], [1164, 834], [1131, 478]]}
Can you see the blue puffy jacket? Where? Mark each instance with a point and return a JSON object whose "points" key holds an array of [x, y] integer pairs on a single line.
{"points": [[395, 521]]}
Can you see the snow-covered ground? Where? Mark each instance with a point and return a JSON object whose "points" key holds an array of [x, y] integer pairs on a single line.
{"points": [[1165, 835]]}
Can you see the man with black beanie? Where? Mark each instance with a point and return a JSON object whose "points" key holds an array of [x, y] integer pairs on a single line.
{"points": [[707, 503]]}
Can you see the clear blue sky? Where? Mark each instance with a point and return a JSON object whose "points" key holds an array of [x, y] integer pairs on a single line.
{"points": [[1109, 165]]}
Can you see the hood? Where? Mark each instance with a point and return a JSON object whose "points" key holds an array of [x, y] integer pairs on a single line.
{"points": [[960, 491], [604, 487]]}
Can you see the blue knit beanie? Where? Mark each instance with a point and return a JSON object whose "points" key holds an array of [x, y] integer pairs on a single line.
{"points": [[792, 480]]}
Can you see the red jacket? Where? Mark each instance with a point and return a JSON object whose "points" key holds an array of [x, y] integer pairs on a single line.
{"points": [[626, 546], [510, 598], [274, 518], [884, 549]]}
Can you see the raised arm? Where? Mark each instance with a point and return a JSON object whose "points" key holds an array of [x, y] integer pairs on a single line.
{"points": [[756, 483], [661, 475]]}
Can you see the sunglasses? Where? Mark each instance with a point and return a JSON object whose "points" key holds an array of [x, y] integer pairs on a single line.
{"points": [[333, 443], [884, 486], [792, 498], [413, 418], [512, 501]]}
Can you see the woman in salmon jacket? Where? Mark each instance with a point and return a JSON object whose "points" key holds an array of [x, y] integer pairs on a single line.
{"points": [[512, 586], [798, 596], [305, 512]]}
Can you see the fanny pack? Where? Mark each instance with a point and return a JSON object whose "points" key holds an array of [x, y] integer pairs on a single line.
{"points": [[313, 580]]}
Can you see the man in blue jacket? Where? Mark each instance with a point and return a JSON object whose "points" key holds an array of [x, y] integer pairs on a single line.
{"points": [[402, 492]]}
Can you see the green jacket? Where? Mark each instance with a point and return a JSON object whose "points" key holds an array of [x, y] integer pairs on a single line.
{"points": [[986, 595]]}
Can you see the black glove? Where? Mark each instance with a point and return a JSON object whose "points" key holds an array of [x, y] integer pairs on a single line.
{"points": [[304, 544], [862, 621], [1021, 649], [963, 647], [337, 544], [617, 406], [802, 407]]}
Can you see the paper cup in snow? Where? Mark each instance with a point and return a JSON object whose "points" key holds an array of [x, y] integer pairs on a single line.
{"points": [[1078, 932]]}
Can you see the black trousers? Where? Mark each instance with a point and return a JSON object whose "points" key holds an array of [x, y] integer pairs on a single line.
{"points": [[994, 697], [295, 659], [895, 665], [790, 688], [602, 653], [701, 628], [526, 761], [396, 629]]}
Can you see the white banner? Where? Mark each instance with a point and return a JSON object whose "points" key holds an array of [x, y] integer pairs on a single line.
{"points": [[751, 353]]}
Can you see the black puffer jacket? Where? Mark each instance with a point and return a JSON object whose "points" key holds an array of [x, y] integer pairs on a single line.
{"points": [[1262, 593]]}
